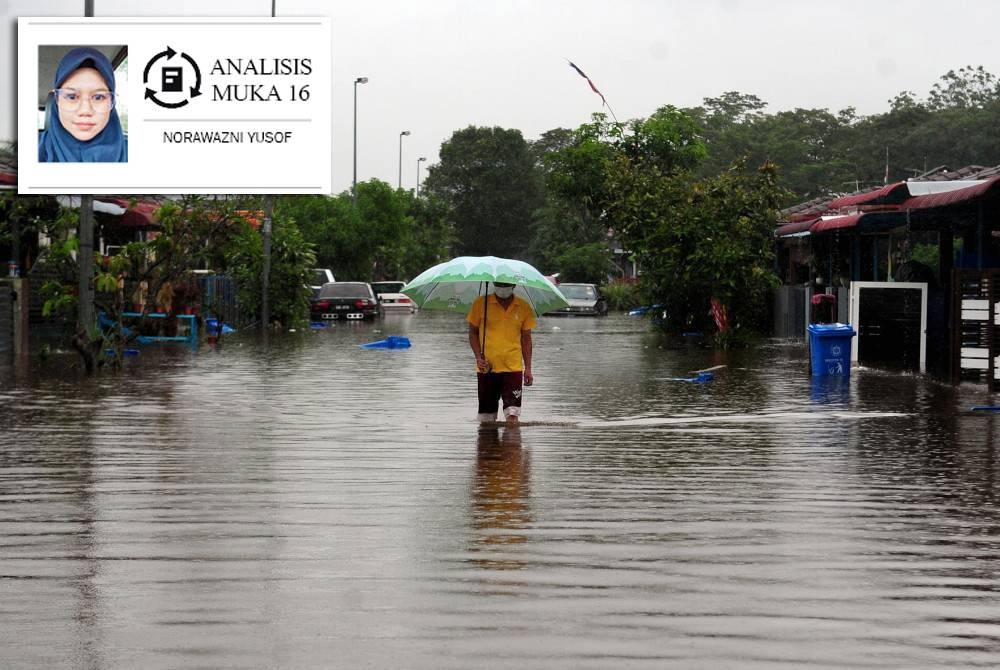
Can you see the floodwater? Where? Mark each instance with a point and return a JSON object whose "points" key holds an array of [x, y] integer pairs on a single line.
{"points": [[309, 503]]}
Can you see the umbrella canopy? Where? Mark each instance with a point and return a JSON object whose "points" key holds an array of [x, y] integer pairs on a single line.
{"points": [[455, 284]]}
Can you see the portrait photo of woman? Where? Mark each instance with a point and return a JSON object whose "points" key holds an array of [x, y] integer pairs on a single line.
{"points": [[81, 118]]}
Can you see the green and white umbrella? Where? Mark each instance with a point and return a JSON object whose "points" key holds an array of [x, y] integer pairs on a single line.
{"points": [[455, 284]]}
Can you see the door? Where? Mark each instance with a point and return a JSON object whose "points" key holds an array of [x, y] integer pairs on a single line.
{"points": [[891, 320]]}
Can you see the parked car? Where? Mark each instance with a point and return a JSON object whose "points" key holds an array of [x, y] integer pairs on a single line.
{"points": [[583, 299], [344, 300], [319, 277], [390, 299]]}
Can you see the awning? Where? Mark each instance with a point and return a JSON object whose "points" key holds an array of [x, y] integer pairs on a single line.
{"points": [[795, 229], [8, 176], [132, 215], [865, 222], [891, 194], [959, 196], [139, 214], [835, 223]]}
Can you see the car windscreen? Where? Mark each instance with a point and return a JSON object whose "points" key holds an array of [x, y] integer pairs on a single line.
{"points": [[387, 286], [319, 277], [344, 290], [578, 291]]}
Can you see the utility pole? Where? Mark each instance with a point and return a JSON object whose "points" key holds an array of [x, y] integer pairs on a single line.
{"points": [[265, 273], [265, 277], [85, 256]]}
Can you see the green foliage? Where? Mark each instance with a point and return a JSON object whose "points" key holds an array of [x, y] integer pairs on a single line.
{"points": [[56, 300], [428, 236], [970, 87], [698, 240], [291, 260], [561, 228], [487, 179], [622, 296], [588, 263], [820, 152], [389, 235], [925, 254]]}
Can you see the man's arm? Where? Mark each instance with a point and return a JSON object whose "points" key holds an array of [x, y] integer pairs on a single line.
{"points": [[526, 355], [477, 351]]}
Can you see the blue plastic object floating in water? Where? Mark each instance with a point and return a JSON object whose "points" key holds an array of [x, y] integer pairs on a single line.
{"points": [[317, 325], [125, 352], [212, 327], [391, 342], [701, 377], [644, 309], [986, 408]]}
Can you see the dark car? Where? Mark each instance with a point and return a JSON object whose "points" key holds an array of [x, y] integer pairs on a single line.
{"points": [[344, 300], [583, 299], [318, 277]]}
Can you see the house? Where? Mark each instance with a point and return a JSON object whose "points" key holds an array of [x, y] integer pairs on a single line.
{"points": [[914, 264]]}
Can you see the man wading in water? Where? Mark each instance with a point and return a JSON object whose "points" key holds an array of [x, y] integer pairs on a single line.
{"points": [[501, 323]]}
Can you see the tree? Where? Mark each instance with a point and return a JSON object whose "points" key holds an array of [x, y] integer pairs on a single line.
{"points": [[428, 238], [488, 181], [195, 233], [291, 260], [701, 240], [572, 229], [970, 87], [388, 235]]}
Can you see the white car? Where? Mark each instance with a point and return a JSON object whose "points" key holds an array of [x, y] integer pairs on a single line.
{"points": [[318, 277], [390, 300]]}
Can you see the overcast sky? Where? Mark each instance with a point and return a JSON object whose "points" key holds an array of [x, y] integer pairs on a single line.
{"points": [[436, 66]]}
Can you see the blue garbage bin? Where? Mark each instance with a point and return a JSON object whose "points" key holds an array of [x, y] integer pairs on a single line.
{"points": [[830, 349]]}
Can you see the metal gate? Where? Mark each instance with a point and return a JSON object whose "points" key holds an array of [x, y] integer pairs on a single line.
{"points": [[976, 347], [891, 321]]}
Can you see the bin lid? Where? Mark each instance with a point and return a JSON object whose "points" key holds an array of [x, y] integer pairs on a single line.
{"points": [[830, 329], [821, 298]]}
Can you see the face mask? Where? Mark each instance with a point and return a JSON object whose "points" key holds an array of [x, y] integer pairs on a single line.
{"points": [[503, 292]]}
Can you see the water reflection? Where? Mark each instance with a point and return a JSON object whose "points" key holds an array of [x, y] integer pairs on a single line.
{"points": [[287, 502], [501, 508]]}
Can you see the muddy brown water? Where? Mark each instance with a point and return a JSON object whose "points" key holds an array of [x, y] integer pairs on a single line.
{"points": [[308, 503]]}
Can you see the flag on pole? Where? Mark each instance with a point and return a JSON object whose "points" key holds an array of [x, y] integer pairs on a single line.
{"points": [[592, 87]]}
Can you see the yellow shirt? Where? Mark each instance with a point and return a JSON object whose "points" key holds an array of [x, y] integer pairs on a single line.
{"points": [[503, 330]]}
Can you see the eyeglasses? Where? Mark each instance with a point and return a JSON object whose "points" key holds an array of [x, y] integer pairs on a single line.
{"points": [[70, 99]]}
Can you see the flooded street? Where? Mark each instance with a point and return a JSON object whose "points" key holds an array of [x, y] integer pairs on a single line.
{"points": [[309, 503]]}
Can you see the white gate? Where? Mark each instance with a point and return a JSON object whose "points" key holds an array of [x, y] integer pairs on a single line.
{"points": [[889, 316]]}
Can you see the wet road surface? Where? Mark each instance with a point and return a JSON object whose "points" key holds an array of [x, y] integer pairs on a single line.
{"points": [[309, 503]]}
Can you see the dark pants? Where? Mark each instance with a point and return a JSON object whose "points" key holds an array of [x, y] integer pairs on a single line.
{"points": [[496, 386]]}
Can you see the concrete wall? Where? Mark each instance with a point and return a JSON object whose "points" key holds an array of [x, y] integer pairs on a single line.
{"points": [[6, 318], [13, 316]]}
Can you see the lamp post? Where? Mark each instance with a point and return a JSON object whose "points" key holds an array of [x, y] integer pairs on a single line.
{"points": [[405, 132], [419, 161], [354, 183]]}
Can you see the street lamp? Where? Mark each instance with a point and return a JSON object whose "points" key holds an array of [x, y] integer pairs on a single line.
{"points": [[419, 161], [354, 187], [405, 132]]}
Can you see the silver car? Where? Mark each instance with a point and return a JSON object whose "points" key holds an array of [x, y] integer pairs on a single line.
{"points": [[390, 299], [583, 299]]}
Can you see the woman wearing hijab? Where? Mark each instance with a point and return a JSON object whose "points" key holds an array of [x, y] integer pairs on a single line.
{"points": [[81, 122]]}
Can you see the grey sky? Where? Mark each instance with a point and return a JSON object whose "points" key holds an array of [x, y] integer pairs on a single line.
{"points": [[435, 66]]}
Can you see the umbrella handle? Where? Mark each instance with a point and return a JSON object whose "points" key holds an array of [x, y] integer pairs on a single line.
{"points": [[486, 305]]}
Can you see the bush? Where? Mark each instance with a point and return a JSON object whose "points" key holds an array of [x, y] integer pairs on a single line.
{"points": [[622, 295]]}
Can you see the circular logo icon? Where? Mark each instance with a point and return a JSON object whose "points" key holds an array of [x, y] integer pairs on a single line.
{"points": [[167, 80]]}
